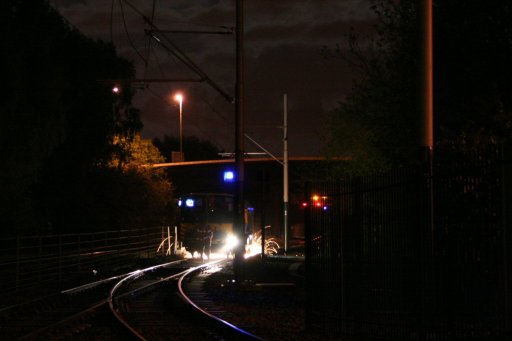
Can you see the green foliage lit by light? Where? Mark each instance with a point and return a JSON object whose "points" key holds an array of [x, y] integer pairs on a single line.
{"points": [[59, 121], [134, 152]]}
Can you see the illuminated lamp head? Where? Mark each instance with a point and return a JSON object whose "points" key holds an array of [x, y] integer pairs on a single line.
{"points": [[189, 202], [229, 176]]}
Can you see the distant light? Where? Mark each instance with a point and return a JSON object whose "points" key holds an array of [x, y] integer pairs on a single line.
{"points": [[315, 198], [250, 209], [326, 208], [230, 242], [304, 204], [229, 176], [178, 97], [116, 89], [179, 203], [189, 203]]}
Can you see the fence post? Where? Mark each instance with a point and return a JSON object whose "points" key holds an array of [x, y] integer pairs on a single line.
{"points": [[18, 246], [60, 260], [80, 253], [307, 259], [506, 190], [39, 259], [149, 247], [175, 239], [426, 250]]}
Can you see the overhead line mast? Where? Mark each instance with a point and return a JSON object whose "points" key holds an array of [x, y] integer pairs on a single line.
{"points": [[239, 141], [238, 100]]}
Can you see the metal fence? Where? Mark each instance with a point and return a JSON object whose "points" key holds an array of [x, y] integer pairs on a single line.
{"points": [[407, 256], [34, 262]]}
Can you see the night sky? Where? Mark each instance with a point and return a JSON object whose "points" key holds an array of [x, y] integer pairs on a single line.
{"points": [[283, 43]]}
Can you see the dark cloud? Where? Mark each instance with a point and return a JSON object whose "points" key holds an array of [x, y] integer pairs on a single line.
{"points": [[283, 40], [313, 85]]}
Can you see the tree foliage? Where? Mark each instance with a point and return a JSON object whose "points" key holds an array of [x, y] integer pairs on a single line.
{"points": [[134, 152], [59, 120], [378, 123], [473, 73], [125, 192]]}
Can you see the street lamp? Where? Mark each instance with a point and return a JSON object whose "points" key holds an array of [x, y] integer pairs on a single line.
{"points": [[179, 97]]}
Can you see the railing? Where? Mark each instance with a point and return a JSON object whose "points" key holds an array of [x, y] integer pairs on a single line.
{"points": [[31, 262], [377, 267]]}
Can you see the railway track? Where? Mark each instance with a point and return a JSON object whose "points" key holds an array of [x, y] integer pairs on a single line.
{"points": [[156, 303], [181, 311]]}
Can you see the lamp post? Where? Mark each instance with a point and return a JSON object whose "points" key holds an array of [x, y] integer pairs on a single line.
{"points": [[179, 98]]}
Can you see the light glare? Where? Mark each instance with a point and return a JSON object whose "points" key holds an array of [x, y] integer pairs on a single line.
{"points": [[230, 243], [229, 176]]}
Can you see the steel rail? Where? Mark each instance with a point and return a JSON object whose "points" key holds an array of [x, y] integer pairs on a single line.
{"points": [[33, 334], [206, 313], [112, 299]]}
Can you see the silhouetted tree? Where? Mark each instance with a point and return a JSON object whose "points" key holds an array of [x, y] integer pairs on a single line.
{"points": [[378, 123], [126, 192], [59, 120]]}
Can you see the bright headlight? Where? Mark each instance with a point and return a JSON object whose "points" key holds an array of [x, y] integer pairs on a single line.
{"points": [[231, 242]]}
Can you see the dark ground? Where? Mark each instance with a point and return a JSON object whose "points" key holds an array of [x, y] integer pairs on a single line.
{"points": [[270, 300]]}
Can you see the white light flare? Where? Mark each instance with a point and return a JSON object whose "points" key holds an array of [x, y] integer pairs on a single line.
{"points": [[230, 243]]}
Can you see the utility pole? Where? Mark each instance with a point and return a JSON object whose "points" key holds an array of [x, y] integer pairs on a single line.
{"points": [[427, 79], [239, 143], [285, 171], [427, 148], [427, 107]]}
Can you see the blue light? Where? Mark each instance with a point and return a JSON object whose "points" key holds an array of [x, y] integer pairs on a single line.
{"points": [[179, 203], [250, 209], [189, 202], [229, 176]]}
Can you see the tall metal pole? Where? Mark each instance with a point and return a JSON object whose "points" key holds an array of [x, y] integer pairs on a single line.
{"points": [[427, 95], [239, 141], [427, 151], [285, 171], [181, 131]]}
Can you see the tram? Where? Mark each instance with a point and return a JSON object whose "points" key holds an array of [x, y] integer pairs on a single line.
{"points": [[205, 223]]}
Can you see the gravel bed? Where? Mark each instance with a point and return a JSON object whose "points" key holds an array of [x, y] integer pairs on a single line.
{"points": [[269, 301]]}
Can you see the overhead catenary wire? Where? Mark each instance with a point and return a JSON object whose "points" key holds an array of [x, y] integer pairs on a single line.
{"points": [[112, 22], [210, 106], [128, 34], [176, 54], [171, 48], [148, 43]]}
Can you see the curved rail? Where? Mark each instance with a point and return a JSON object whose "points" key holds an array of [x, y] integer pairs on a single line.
{"points": [[231, 326], [112, 301], [91, 302]]}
